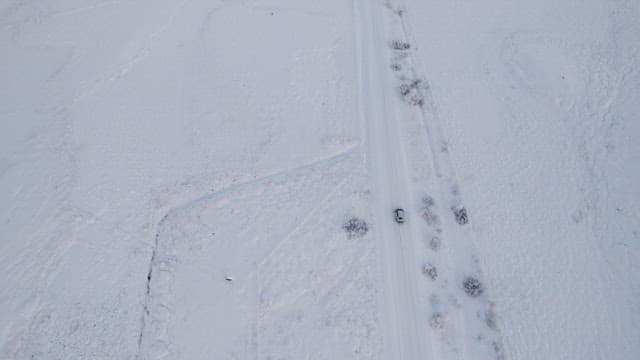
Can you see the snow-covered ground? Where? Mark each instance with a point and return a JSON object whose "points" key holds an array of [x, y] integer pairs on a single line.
{"points": [[216, 179]]}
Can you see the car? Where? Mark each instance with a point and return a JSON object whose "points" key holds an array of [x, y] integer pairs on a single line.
{"points": [[399, 215]]}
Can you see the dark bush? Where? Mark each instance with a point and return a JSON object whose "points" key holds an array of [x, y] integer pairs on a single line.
{"points": [[411, 92], [355, 227], [435, 243], [472, 286], [437, 321], [430, 270], [461, 215], [400, 45]]}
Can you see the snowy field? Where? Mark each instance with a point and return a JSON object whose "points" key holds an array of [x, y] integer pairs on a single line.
{"points": [[216, 179]]}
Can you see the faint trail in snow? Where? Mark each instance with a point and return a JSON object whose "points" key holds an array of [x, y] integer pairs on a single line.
{"points": [[295, 10], [165, 263], [84, 9], [591, 121], [142, 53], [301, 224], [49, 148], [305, 221], [206, 22]]}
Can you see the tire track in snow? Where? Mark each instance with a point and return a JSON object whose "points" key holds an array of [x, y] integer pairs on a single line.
{"points": [[405, 336]]}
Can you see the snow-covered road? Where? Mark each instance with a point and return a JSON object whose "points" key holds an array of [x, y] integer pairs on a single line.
{"points": [[405, 331], [428, 314]]}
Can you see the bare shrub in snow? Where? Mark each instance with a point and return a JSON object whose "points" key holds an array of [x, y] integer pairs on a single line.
{"points": [[393, 9], [461, 215], [438, 321], [428, 201], [400, 45], [430, 270], [435, 243], [497, 348], [472, 286], [430, 217], [428, 211], [490, 317], [404, 89], [355, 227], [411, 92]]}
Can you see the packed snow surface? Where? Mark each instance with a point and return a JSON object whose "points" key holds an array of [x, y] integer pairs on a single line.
{"points": [[215, 179]]}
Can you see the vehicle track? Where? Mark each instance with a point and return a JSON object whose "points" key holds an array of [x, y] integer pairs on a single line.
{"points": [[473, 331], [463, 322], [405, 335]]}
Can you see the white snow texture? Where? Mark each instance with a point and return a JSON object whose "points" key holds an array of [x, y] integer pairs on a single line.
{"points": [[217, 179]]}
